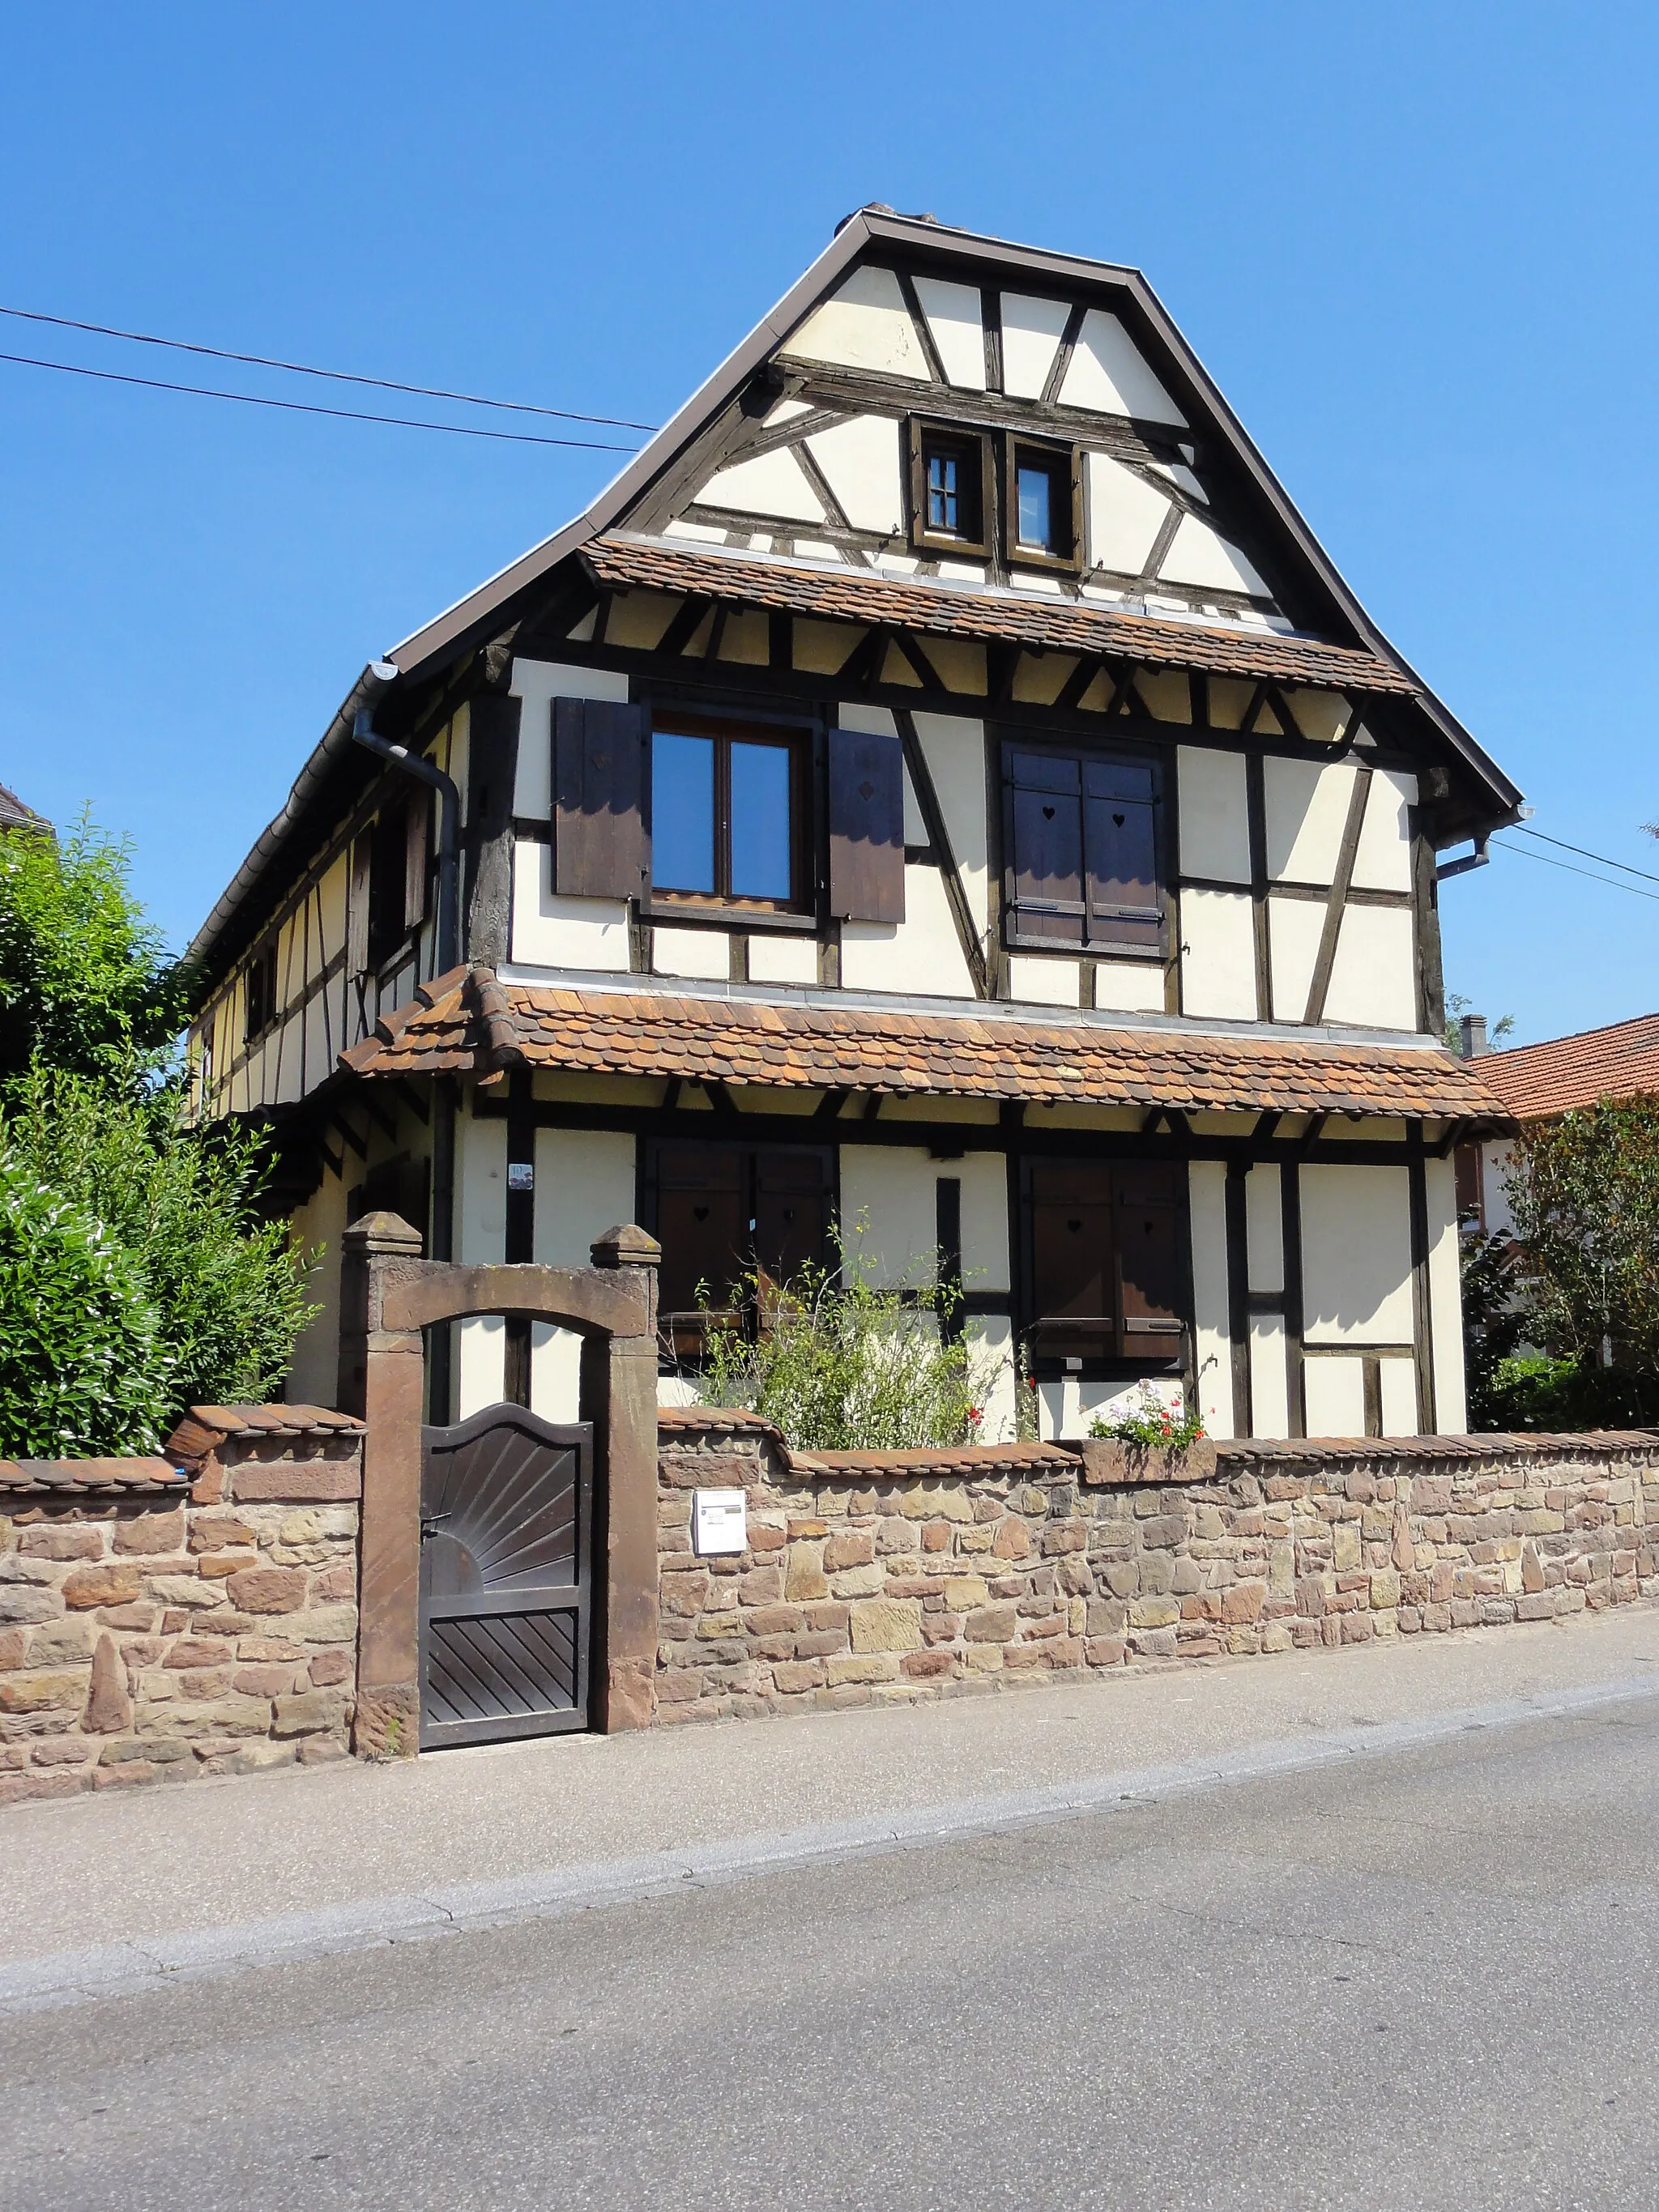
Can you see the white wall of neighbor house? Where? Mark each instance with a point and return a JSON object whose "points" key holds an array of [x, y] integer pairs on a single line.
{"points": [[922, 955], [314, 1377], [1399, 1381], [954, 750], [585, 1184], [1206, 1203], [990, 1340], [1445, 1300]]}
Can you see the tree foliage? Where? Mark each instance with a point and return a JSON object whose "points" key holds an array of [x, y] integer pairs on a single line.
{"points": [[85, 981], [1563, 1316], [83, 1368]]}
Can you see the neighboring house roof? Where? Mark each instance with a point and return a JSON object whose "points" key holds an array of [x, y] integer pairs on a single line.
{"points": [[13, 815], [1332, 623], [855, 595], [470, 1020], [1537, 1081]]}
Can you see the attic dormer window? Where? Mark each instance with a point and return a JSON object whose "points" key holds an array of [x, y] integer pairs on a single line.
{"points": [[949, 468]]}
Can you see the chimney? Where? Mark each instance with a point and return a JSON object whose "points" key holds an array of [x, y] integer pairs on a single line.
{"points": [[1471, 1035]]}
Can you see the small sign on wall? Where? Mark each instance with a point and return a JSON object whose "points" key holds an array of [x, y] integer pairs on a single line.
{"points": [[720, 1522], [520, 1174]]}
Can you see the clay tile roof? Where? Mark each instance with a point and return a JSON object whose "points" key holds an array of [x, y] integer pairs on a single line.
{"points": [[942, 1055], [1537, 1081], [857, 595], [69, 1479]]}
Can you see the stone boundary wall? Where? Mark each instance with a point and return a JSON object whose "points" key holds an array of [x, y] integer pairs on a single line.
{"points": [[871, 1578], [194, 1615]]}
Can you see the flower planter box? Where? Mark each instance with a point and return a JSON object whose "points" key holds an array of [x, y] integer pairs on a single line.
{"points": [[1109, 1459]]}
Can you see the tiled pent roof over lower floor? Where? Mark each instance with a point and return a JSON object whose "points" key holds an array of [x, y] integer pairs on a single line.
{"points": [[857, 595], [469, 1021], [1537, 1081]]}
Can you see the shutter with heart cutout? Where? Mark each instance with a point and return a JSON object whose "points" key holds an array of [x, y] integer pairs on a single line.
{"points": [[599, 789], [866, 826]]}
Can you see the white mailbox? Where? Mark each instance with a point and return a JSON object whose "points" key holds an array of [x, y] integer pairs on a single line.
{"points": [[720, 1522]]}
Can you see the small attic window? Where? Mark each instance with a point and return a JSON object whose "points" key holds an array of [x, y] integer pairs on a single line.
{"points": [[1044, 505], [948, 472]]}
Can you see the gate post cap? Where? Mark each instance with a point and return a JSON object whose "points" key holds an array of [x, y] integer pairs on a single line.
{"points": [[626, 1246], [382, 1234]]}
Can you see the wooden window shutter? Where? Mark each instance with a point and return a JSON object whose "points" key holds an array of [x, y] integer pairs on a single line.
{"points": [[1150, 1231], [417, 837], [866, 826], [598, 791], [362, 864]]}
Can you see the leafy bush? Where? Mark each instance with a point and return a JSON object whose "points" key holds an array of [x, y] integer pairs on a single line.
{"points": [[228, 1287], [83, 1369], [1531, 1391], [840, 1364], [85, 982], [1149, 1424]]}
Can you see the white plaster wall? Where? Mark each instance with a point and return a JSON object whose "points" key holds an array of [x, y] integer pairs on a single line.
{"points": [[1041, 980], [1125, 514], [1206, 1204], [1497, 1160], [782, 959], [865, 323], [1382, 858], [1294, 929], [770, 483], [1108, 373], [1217, 955], [1067, 1408], [1201, 556], [481, 1235], [1374, 976], [1334, 1390], [1445, 1301], [539, 684], [1307, 808], [549, 931], [1399, 1381], [313, 1379], [1270, 1392], [862, 463], [895, 1189], [1031, 331], [990, 1337], [922, 954], [955, 318], [1264, 1230], [954, 750], [1129, 986], [704, 952], [1215, 826], [1356, 1256], [585, 1184]]}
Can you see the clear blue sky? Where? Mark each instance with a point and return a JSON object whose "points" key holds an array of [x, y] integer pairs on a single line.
{"points": [[1413, 244]]}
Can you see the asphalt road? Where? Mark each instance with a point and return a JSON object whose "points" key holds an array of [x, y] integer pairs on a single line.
{"points": [[1423, 1977]]}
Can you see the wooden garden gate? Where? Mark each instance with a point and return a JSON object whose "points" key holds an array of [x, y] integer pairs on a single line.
{"points": [[507, 1577]]}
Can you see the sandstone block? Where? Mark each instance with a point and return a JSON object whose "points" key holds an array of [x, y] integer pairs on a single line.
{"points": [[77, 1542], [928, 1502], [152, 1533], [992, 1623], [268, 1589], [141, 1619], [887, 1624], [62, 1642], [61, 1750], [1344, 1545], [963, 1593], [1013, 1539], [13, 1642], [760, 1586], [199, 1651], [804, 1576], [203, 1683], [861, 1582], [793, 1676], [1243, 1602], [936, 1536], [1154, 1613], [683, 1593], [927, 1665], [850, 1547], [315, 1522], [1385, 1590], [308, 1712], [221, 1563], [324, 1623], [861, 1667], [330, 1668], [187, 1593], [983, 1658], [39, 1693], [272, 1681], [115, 1584], [220, 1533]]}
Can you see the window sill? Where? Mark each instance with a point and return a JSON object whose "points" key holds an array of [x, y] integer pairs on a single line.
{"points": [[719, 915], [1150, 954]]}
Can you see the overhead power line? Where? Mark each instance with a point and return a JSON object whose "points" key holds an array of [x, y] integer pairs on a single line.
{"points": [[1584, 854], [1607, 883], [334, 376], [309, 407]]}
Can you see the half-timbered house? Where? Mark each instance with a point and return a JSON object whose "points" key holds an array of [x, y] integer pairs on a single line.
{"points": [[941, 787]]}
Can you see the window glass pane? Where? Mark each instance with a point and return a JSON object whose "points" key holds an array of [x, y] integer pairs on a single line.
{"points": [[944, 499], [760, 821], [1035, 498], [682, 812]]}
